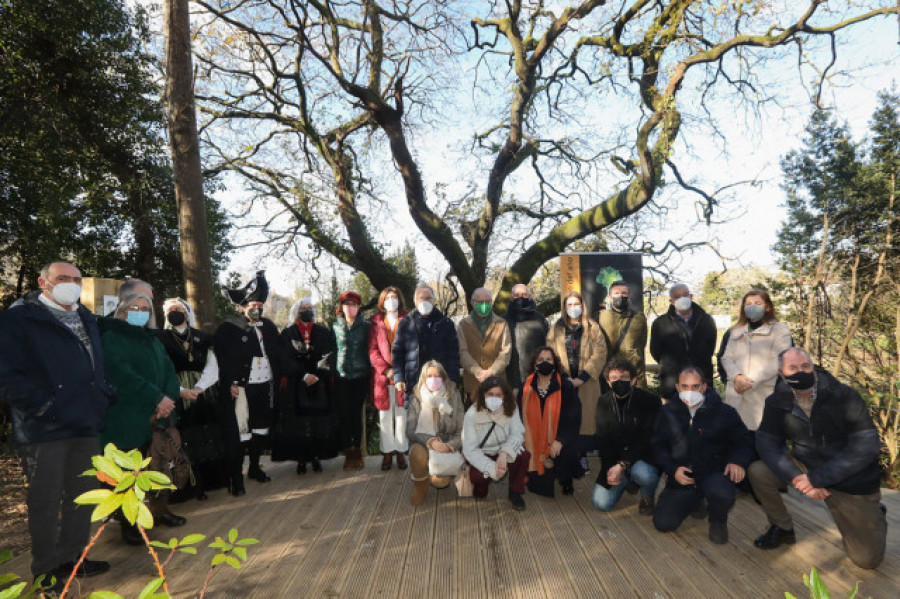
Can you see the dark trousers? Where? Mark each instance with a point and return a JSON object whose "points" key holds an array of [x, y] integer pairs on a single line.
{"points": [[675, 504], [351, 395], [517, 472], [59, 528]]}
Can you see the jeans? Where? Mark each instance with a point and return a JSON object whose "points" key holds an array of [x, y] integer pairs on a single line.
{"points": [[642, 473]]}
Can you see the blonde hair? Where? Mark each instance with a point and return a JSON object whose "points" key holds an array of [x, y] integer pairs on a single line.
{"points": [[442, 372]]}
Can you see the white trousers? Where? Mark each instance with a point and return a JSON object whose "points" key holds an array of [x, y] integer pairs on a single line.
{"points": [[392, 425]]}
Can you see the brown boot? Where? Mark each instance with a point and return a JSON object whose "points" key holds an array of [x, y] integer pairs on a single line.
{"points": [[386, 462], [401, 460], [348, 459], [357, 460], [419, 490]]}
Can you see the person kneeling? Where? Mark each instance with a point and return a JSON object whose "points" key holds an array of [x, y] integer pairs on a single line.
{"points": [[704, 448], [492, 441], [625, 418], [433, 426], [833, 458]]}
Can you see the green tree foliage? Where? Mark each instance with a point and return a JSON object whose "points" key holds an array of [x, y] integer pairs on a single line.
{"points": [[839, 249], [83, 171]]}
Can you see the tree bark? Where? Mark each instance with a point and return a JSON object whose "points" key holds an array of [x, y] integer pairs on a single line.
{"points": [[185, 147]]}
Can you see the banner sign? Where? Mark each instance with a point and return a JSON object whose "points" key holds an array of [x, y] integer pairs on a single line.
{"points": [[591, 274]]}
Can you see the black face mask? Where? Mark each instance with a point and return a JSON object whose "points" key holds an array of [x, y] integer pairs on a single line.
{"points": [[801, 381], [254, 314], [621, 388], [306, 316], [176, 318], [620, 303], [545, 368]]}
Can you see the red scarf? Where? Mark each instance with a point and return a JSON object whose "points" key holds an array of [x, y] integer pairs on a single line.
{"points": [[305, 329], [540, 429]]}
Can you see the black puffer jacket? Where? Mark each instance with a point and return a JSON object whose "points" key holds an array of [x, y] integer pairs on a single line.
{"points": [[716, 437], [54, 388], [528, 328], [675, 346], [422, 338], [838, 444]]}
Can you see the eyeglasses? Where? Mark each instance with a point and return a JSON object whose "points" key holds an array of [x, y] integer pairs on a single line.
{"points": [[137, 309]]}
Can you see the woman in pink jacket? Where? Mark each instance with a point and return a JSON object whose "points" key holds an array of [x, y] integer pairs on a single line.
{"points": [[388, 400]]}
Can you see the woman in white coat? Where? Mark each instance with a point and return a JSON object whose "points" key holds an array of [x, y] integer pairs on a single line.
{"points": [[493, 438], [751, 356]]}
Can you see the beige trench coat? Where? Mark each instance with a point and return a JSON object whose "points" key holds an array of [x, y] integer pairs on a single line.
{"points": [[592, 359], [755, 355]]}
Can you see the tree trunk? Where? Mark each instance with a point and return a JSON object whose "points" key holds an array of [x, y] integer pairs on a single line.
{"points": [[185, 146]]}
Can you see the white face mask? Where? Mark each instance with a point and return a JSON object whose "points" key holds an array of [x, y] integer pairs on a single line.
{"points": [[682, 304], [691, 398], [493, 403], [66, 294], [574, 312], [391, 304], [425, 308]]}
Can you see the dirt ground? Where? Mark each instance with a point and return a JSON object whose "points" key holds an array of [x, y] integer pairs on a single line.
{"points": [[13, 516]]}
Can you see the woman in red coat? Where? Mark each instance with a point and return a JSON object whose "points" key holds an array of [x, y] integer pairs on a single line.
{"points": [[389, 401]]}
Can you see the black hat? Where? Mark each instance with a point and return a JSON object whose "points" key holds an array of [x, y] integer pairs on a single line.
{"points": [[257, 290]]}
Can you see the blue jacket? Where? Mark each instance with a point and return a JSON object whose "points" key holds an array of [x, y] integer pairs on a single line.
{"points": [[715, 438], [423, 338], [838, 443], [47, 377]]}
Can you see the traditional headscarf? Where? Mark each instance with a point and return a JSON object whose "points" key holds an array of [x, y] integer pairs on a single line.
{"points": [[257, 290], [189, 311]]}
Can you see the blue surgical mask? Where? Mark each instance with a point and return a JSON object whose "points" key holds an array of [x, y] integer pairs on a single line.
{"points": [[754, 312], [137, 319]]}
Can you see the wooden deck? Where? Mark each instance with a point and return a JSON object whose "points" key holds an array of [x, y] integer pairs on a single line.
{"points": [[339, 534]]}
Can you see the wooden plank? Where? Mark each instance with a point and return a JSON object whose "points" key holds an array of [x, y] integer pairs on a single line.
{"points": [[526, 566], [443, 551], [392, 558], [497, 567], [369, 559], [468, 558], [416, 574]]}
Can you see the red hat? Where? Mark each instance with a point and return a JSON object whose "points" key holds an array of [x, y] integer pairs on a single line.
{"points": [[350, 296]]}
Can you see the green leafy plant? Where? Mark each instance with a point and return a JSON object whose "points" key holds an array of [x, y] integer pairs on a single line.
{"points": [[129, 482], [817, 588]]}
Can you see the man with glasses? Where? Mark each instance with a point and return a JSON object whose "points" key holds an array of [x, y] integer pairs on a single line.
{"points": [[52, 376]]}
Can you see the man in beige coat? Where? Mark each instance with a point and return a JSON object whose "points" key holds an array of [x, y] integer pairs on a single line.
{"points": [[485, 345]]}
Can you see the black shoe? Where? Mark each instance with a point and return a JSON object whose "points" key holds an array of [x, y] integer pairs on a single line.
{"points": [[258, 475], [775, 537], [718, 532], [700, 511], [301, 467], [645, 507], [131, 535], [87, 569], [517, 501], [568, 488], [236, 487], [316, 465], [883, 508], [169, 519], [202, 496]]}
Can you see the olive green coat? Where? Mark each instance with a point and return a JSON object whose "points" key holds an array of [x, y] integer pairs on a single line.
{"points": [[634, 342]]}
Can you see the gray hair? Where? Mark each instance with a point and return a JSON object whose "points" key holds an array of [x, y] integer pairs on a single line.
{"points": [[477, 291], [790, 349], [45, 270], [122, 307], [294, 312], [188, 311], [127, 288], [428, 287], [678, 287], [513, 288]]}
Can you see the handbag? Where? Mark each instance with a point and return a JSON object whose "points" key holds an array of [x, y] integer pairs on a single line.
{"points": [[463, 482], [167, 455], [444, 464]]}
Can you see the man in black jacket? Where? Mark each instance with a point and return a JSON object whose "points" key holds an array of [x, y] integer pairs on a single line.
{"points": [[683, 336], [52, 376], [834, 457], [625, 418], [424, 334], [704, 448], [528, 329]]}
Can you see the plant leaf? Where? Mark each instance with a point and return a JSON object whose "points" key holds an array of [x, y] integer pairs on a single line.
{"points": [[191, 550], [192, 539], [126, 483], [144, 517], [96, 496], [151, 588], [233, 562], [240, 552], [218, 559], [107, 507], [159, 544], [13, 591], [130, 505], [105, 595], [248, 541], [232, 535]]}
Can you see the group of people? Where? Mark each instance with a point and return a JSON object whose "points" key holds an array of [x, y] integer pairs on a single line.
{"points": [[471, 403]]}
